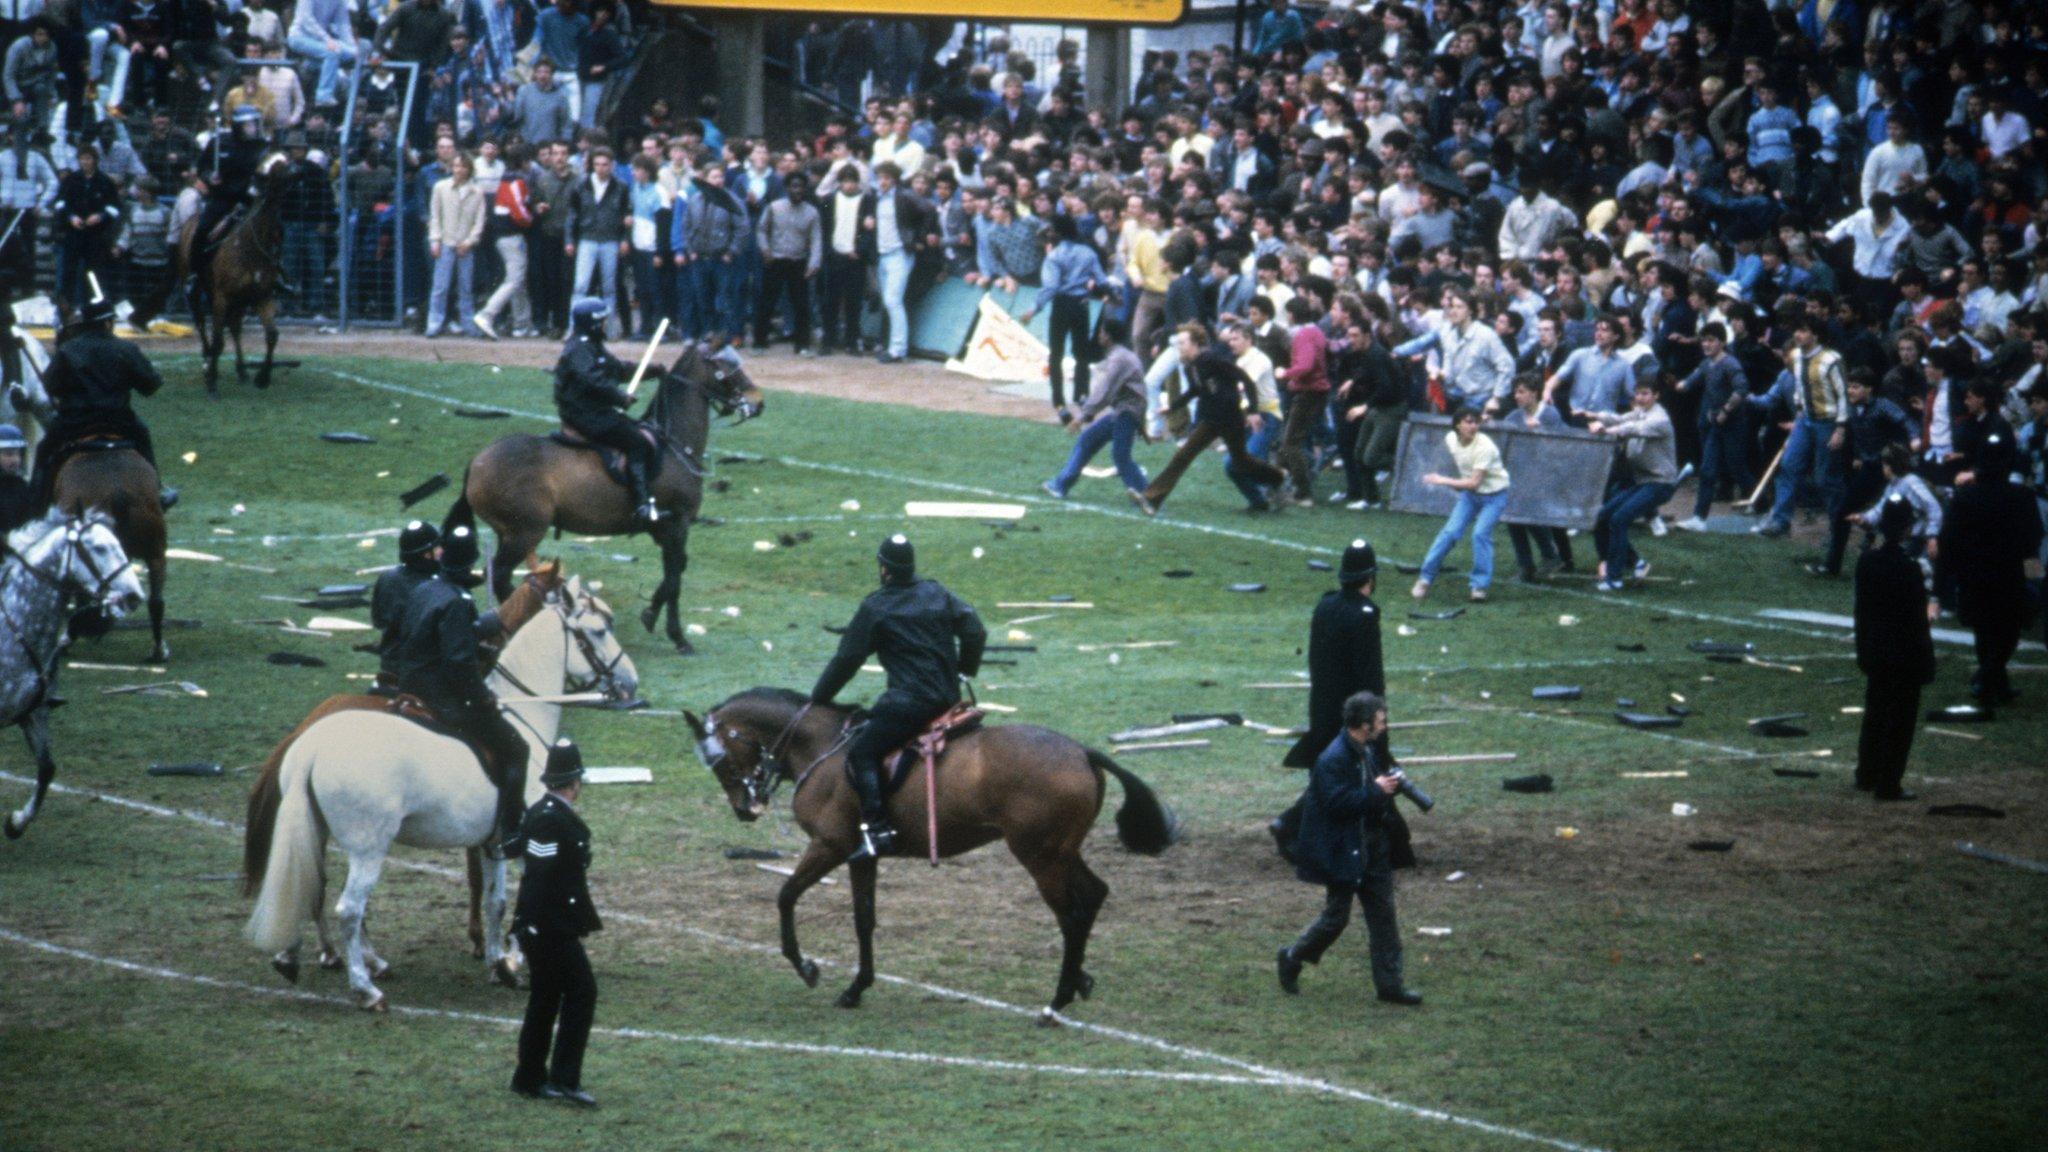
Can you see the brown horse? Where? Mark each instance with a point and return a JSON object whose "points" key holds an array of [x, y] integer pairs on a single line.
{"points": [[523, 485], [241, 278], [117, 480], [265, 796], [1035, 789]]}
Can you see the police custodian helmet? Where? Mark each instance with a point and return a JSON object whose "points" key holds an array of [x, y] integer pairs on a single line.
{"points": [[898, 556], [1361, 563]]}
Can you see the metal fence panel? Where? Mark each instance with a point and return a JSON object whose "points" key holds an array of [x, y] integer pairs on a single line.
{"points": [[1556, 479]]}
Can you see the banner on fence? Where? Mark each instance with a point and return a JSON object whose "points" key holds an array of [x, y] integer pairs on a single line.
{"points": [[1001, 350]]}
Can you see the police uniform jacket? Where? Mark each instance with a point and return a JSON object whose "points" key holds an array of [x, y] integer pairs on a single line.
{"points": [[389, 601], [236, 159], [554, 892], [1991, 529], [436, 657], [587, 391], [93, 373], [1344, 658], [1892, 638], [16, 502], [925, 636], [1343, 819]]}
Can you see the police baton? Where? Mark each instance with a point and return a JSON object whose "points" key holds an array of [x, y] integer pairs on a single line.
{"points": [[19, 215], [647, 357]]}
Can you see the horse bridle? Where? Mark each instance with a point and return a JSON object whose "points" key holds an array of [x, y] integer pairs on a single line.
{"points": [[769, 770], [74, 552], [604, 679]]}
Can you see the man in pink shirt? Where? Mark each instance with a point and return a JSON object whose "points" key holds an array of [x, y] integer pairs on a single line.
{"points": [[1307, 377]]}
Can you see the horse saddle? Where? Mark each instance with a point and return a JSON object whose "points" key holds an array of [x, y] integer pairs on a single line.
{"points": [[407, 706], [613, 460], [959, 720]]}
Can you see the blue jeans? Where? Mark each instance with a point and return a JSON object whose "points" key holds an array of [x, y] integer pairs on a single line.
{"points": [[331, 62], [305, 261], [709, 305], [1724, 455], [602, 258], [650, 291], [1478, 514], [1610, 530], [893, 272], [1258, 446], [1806, 452], [1116, 429], [461, 268]]}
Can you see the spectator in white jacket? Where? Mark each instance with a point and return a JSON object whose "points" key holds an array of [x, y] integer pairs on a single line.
{"points": [[455, 225], [1533, 221], [1896, 166]]}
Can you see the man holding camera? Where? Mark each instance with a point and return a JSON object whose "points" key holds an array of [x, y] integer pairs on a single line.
{"points": [[1343, 846]]}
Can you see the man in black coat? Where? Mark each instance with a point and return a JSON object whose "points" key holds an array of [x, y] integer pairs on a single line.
{"points": [[417, 563], [1344, 658], [1895, 650], [926, 639], [1344, 847], [592, 405], [1991, 531], [90, 380], [553, 915], [1875, 423], [436, 659], [1221, 394]]}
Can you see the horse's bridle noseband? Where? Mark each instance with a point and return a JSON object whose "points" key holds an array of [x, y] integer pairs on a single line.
{"points": [[769, 769], [74, 553]]}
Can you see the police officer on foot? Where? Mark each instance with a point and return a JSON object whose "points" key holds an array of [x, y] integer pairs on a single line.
{"points": [[1344, 847], [926, 638], [1344, 657], [1894, 650], [436, 659], [553, 916], [592, 405], [417, 563], [17, 503], [90, 379]]}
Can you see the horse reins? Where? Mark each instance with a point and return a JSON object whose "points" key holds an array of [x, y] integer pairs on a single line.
{"points": [[606, 670], [769, 771]]}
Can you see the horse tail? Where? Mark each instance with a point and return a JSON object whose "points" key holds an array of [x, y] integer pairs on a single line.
{"points": [[264, 800], [460, 514], [291, 878], [1143, 823]]}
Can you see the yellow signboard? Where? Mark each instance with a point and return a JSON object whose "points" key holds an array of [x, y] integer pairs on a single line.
{"points": [[1040, 12]]}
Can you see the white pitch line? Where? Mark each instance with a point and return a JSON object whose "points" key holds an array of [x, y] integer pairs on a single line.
{"points": [[1124, 514], [1642, 661], [1262, 1073], [975, 1063]]}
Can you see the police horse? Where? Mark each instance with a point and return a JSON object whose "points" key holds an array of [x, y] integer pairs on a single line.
{"points": [[1036, 790], [241, 278], [48, 565], [522, 485], [369, 780]]}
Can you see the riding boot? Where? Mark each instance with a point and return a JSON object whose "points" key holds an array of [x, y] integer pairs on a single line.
{"points": [[643, 498], [167, 497], [876, 833]]}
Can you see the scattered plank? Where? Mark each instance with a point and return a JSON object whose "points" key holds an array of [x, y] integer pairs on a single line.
{"points": [[618, 775], [1466, 758], [1938, 731], [1162, 746], [992, 706], [1158, 732], [1042, 604], [1676, 775], [188, 554], [791, 872], [1127, 646], [964, 510], [2021, 862], [84, 666]]}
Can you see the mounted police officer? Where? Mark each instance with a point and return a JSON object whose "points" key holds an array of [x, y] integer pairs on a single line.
{"points": [[17, 503], [436, 659], [1344, 657], [926, 638], [417, 563], [592, 405], [90, 377], [230, 161], [553, 915]]}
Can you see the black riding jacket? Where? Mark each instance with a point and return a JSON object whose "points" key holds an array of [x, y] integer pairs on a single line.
{"points": [[587, 391], [93, 373], [236, 158], [389, 601], [436, 656], [913, 628]]}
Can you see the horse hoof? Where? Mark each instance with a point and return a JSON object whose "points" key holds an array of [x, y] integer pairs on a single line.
{"points": [[848, 999], [809, 971], [14, 830], [648, 617], [1085, 985], [289, 969], [330, 961], [507, 974], [1048, 1018]]}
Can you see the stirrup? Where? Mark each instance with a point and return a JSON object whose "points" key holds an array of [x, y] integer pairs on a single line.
{"points": [[875, 839], [650, 512]]}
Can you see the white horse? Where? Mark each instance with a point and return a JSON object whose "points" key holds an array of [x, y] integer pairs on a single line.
{"points": [[369, 780], [37, 410], [45, 567]]}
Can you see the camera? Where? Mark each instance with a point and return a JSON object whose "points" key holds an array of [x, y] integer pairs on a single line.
{"points": [[1412, 790]]}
